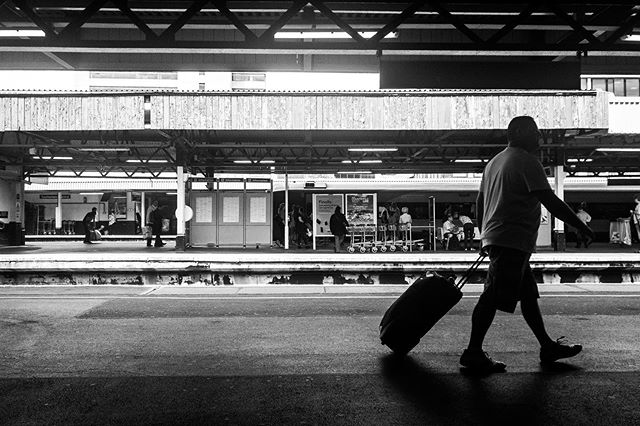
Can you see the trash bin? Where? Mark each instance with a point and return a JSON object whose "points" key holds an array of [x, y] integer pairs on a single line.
{"points": [[620, 231]]}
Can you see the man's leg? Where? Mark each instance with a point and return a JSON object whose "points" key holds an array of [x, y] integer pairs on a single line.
{"points": [[533, 317], [550, 350], [336, 242], [481, 320]]}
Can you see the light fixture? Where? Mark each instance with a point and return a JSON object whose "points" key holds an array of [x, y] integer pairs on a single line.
{"points": [[35, 157], [361, 161], [104, 149], [22, 33], [618, 149], [631, 37], [91, 193], [468, 160], [354, 172], [254, 162], [579, 160], [147, 161], [327, 34], [373, 149]]}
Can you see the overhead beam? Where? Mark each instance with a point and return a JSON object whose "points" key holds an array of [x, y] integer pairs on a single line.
{"points": [[577, 27], [221, 5], [82, 18], [456, 22], [281, 22], [123, 5], [522, 16], [337, 20], [409, 11], [26, 8], [195, 7]]}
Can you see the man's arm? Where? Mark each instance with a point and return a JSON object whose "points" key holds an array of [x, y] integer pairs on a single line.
{"points": [[561, 210]]}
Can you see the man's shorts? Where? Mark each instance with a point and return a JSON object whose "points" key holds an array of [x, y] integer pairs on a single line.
{"points": [[509, 278]]}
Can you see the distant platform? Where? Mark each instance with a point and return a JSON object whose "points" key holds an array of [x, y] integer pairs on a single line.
{"points": [[132, 263]]}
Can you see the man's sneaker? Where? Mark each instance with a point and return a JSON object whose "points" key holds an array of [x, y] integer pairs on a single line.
{"points": [[479, 360], [557, 350]]}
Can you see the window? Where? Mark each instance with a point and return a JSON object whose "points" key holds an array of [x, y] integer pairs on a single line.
{"points": [[598, 84], [584, 84], [201, 86], [633, 87], [618, 86]]}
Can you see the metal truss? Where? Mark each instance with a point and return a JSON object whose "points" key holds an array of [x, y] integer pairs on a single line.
{"points": [[149, 152], [564, 27]]}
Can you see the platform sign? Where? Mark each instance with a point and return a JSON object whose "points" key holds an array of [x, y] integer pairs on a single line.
{"points": [[361, 209], [324, 205]]}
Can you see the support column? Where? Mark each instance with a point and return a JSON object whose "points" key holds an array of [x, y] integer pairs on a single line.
{"points": [[180, 205], [286, 210], [58, 226], [11, 206], [558, 225]]}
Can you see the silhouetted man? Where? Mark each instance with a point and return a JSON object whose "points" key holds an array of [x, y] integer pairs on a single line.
{"points": [[512, 188], [88, 223]]}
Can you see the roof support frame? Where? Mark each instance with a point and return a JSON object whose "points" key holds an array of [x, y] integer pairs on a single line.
{"points": [[318, 4]]}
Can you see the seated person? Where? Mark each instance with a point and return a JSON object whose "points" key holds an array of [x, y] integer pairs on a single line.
{"points": [[451, 230]]}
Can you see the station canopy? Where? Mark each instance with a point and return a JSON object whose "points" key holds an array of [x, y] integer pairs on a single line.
{"points": [[361, 36]]}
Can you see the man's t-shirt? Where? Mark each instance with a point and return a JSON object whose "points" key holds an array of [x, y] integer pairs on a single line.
{"points": [[511, 213]]}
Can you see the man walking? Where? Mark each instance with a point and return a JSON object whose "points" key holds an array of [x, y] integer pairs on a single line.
{"points": [[512, 188]]}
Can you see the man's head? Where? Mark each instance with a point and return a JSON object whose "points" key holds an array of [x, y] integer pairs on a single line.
{"points": [[94, 210], [636, 198], [338, 209], [449, 217], [523, 133], [155, 203], [405, 210]]}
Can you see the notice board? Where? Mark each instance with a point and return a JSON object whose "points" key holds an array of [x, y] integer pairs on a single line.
{"points": [[361, 209], [324, 205]]}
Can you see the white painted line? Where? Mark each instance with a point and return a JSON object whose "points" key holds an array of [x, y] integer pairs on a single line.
{"points": [[149, 291], [276, 297]]}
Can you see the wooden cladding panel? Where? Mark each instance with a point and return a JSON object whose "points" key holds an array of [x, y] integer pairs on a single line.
{"points": [[316, 111]]}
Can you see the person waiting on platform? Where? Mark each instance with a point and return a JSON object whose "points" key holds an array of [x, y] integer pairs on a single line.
{"points": [[451, 234], [112, 221], [585, 217], [635, 215], [302, 238], [89, 224], [405, 217], [467, 229], [338, 225], [154, 220]]}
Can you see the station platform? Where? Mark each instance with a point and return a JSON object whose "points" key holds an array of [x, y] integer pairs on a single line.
{"points": [[132, 263]]}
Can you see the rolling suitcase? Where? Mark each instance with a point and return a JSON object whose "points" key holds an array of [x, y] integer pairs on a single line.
{"points": [[419, 308]]}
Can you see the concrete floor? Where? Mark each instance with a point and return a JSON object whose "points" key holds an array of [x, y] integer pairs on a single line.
{"points": [[131, 355]]}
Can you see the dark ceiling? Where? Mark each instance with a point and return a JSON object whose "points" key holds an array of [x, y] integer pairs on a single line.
{"points": [[239, 35]]}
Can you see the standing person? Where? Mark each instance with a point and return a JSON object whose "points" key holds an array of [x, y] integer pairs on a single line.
{"points": [[635, 215], [467, 229], [301, 228], [154, 220], [279, 226], [89, 224], [338, 226], [111, 222], [405, 217], [585, 218], [513, 186]]}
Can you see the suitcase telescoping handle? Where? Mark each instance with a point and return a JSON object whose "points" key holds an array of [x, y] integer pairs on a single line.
{"points": [[463, 279]]}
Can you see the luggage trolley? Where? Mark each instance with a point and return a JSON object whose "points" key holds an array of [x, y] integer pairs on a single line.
{"points": [[363, 238]]}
